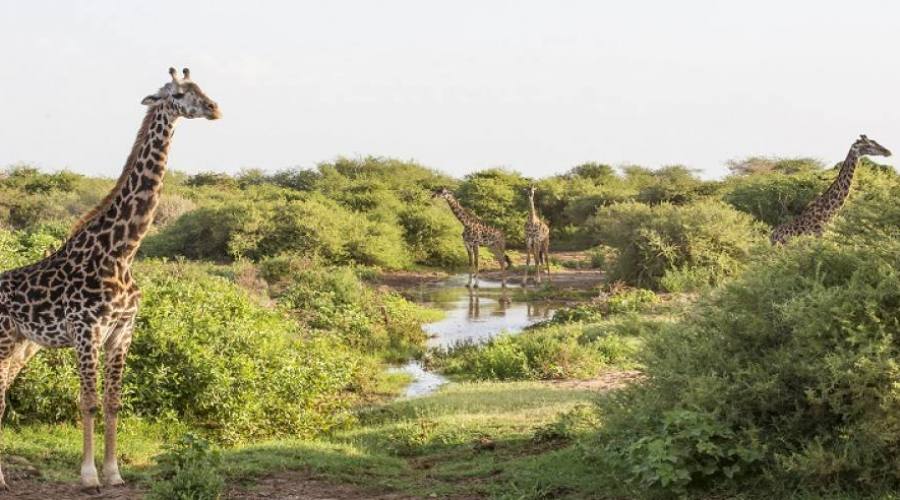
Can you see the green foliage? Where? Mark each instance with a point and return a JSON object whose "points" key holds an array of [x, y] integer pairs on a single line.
{"points": [[785, 377], [577, 313], [188, 470], [708, 239], [762, 165], [774, 198], [630, 300], [545, 353], [432, 235], [19, 248], [497, 196], [333, 299]]}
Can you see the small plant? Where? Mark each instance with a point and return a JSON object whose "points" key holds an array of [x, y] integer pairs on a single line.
{"points": [[632, 300], [581, 313], [188, 470]]}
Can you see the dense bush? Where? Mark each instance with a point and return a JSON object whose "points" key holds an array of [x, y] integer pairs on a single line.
{"points": [[675, 247], [498, 197], [206, 354], [784, 378], [333, 299]]}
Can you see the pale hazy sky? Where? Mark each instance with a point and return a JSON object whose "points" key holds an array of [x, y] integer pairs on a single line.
{"points": [[537, 86]]}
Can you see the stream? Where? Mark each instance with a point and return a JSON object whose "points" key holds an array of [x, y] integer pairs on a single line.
{"points": [[474, 316]]}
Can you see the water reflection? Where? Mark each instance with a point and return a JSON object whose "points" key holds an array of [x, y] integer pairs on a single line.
{"points": [[473, 315]]}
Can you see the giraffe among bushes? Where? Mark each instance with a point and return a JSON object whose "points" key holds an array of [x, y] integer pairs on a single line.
{"points": [[83, 296]]}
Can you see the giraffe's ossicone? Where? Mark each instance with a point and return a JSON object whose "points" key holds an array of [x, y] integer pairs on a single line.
{"points": [[82, 295]]}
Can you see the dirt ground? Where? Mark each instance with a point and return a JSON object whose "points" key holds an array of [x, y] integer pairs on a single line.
{"points": [[32, 489], [297, 485]]}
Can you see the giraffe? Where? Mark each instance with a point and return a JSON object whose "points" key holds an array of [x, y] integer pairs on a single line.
{"points": [[82, 295], [821, 210], [537, 241], [476, 234]]}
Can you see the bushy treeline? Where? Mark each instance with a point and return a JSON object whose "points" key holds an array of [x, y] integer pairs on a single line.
{"points": [[663, 228]]}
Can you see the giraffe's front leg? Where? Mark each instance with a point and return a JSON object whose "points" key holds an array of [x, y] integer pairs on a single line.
{"points": [[471, 265], [116, 349], [87, 350], [527, 263], [475, 254]]}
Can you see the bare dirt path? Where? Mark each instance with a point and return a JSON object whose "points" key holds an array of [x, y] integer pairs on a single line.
{"points": [[297, 485]]}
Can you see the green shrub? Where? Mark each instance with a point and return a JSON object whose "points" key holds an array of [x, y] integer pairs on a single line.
{"points": [[578, 313], [498, 197], [775, 198], [188, 470], [432, 234], [631, 300], [546, 353], [707, 237], [784, 378], [333, 299]]}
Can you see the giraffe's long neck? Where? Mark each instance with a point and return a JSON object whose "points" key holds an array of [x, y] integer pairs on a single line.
{"points": [[119, 223], [461, 213], [833, 197], [532, 213]]}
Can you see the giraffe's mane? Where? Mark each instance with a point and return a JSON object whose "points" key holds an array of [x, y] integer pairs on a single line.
{"points": [[142, 134], [470, 214]]}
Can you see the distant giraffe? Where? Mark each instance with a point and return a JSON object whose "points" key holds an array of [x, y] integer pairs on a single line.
{"points": [[477, 234], [821, 210], [82, 295], [537, 241]]}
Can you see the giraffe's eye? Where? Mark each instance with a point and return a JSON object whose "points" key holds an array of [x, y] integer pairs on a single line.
{"points": [[178, 96]]}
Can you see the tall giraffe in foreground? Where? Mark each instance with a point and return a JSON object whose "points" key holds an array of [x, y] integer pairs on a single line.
{"points": [[537, 241], [83, 296], [477, 234], [821, 210]]}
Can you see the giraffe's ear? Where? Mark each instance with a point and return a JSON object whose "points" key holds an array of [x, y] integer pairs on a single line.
{"points": [[150, 99]]}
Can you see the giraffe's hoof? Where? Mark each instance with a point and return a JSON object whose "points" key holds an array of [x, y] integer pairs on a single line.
{"points": [[91, 490], [115, 481]]}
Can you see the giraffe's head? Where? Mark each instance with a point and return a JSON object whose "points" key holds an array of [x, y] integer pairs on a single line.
{"points": [[530, 190], [185, 97], [866, 146], [441, 193]]}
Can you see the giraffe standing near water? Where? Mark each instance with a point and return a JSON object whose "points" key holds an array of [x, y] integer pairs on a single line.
{"points": [[821, 210], [537, 241], [83, 296], [477, 234]]}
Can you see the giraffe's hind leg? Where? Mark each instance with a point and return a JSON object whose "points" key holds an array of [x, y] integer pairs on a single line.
{"points": [[116, 350], [14, 354]]}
